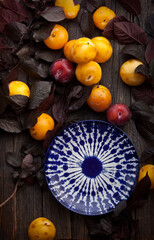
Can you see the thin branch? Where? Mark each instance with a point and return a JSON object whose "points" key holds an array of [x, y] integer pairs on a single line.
{"points": [[11, 196]]}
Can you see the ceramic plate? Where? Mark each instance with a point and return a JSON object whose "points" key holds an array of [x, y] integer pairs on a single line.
{"points": [[91, 166]]}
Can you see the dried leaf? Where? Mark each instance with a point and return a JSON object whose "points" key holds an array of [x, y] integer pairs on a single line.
{"points": [[58, 109], [144, 92], [149, 25], [53, 14], [13, 159], [16, 31], [147, 153], [128, 32], [132, 6], [149, 53], [41, 177], [10, 125], [109, 29], [39, 92], [3, 102]]}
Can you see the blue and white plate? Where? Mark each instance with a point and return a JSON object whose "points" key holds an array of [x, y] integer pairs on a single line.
{"points": [[91, 166]]}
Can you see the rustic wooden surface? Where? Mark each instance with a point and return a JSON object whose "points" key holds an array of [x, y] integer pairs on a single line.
{"points": [[31, 201]]}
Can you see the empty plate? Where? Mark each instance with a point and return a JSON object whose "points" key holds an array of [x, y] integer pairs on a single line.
{"points": [[91, 166]]}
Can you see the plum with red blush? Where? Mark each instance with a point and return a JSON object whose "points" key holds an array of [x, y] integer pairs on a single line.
{"points": [[118, 114], [62, 71]]}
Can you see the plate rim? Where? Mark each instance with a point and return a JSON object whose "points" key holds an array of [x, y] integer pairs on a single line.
{"points": [[82, 121]]}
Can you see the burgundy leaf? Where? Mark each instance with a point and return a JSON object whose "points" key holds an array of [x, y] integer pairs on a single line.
{"points": [[2, 46], [53, 14], [151, 67], [58, 109], [16, 30], [144, 92], [13, 75], [149, 53], [149, 25], [143, 129], [141, 111], [15, 7], [109, 29], [128, 32], [140, 193], [132, 6]]}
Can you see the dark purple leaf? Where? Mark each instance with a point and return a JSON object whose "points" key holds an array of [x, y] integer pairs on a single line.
{"points": [[48, 55], [39, 92], [78, 96], [47, 103], [149, 25], [140, 193], [151, 65], [34, 68], [133, 50], [41, 177], [143, 69], [120, 207], [35, 148], [141, 111], [31, 4], [58, 109], [43, 32], [2, 46], [15, 7], [97, 3], [18, 102], [50, 135], [27, 167], [7, 61], [109, 29], [149, 53], [3, 102], [86, 20], [124, 227], [16, 31], [77, 2], [9, 43], [128, 32], [99, 228], [147, 153], [144, 92], [10, 125], [28, 119], [53, 14], [13, 75], [132, 6], [13, 159], [143, 116]]}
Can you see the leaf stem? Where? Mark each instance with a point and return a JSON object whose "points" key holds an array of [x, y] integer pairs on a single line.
{"points": [[11, 196]]}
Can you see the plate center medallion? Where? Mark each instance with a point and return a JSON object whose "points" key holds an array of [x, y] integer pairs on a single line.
{"points": [[91, 166]]}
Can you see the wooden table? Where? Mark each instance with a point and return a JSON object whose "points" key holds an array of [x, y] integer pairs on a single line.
{"points": [[31, 201]]}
